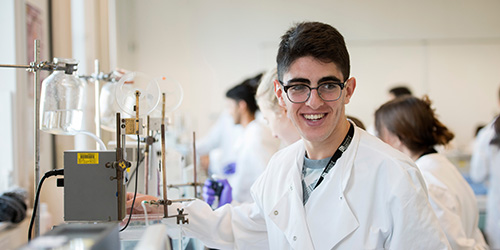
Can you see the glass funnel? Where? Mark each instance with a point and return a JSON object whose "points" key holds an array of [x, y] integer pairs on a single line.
{"points": [[61, 101]]}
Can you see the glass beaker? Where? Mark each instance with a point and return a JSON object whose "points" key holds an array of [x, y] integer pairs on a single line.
{"points": [[61, 101], [109, 107]]}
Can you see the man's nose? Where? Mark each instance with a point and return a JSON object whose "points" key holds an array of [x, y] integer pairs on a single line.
{"points": [[314, 100]]}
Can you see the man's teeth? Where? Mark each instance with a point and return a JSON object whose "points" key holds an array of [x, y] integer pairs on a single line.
{"points": [[314, 117]]}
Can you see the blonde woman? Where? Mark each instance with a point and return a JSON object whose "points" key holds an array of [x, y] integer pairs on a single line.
{"points": [[275, 115]]}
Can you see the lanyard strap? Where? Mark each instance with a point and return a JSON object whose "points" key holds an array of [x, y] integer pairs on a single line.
{"points": [[342, 148], [428, 151]]}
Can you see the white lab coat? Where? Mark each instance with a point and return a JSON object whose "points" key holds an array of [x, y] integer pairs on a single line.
{"points": [[374, 198], [485, 166], [453, 202], [219, 143], [252, 151]]}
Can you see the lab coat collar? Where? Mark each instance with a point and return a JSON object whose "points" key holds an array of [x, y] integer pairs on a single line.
{"points": [[334, 212], [288, 213]]}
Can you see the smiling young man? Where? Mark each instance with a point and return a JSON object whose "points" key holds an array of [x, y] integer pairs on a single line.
{"points": [[336, 188], [319, 122]]}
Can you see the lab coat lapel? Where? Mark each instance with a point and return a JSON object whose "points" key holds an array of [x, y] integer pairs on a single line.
{"points": [[329, 207], [288, 213]]}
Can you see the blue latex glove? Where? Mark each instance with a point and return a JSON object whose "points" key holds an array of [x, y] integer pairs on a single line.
{"points": [[209, 192], [217, 188], [230, 168], [226, 195]]}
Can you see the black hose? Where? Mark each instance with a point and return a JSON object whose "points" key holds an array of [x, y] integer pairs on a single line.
{"points": [[134, 172], [136, 178], [48, 174]]}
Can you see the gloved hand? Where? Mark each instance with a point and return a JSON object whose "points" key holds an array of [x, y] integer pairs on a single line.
{"points": [[230, 168], [226, 195], [210, 191], [217, 188]]}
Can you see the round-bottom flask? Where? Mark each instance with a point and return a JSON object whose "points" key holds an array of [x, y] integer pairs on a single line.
{"points": [[61, 101]]}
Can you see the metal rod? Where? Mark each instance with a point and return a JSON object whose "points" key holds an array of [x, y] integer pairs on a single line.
{"points": [[182, 200], [146, 159], [163, 109], [118, 129], [119, 172], [122, 150], [137, 95], [164, 167], [169, 202], [194, 165], [188, 184], [146, 171], [36, 113], [97, 102], [15, 66]]}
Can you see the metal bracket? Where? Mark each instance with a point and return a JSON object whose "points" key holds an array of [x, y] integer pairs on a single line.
{"points": [[181, 217]]}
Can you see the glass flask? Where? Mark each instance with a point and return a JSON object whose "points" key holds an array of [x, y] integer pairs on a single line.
{"points": [[109, 107], [61, 101]]}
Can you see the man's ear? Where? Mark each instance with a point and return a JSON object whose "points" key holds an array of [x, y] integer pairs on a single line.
{"points": [[349, 88], [242, 105], [278, 91]]}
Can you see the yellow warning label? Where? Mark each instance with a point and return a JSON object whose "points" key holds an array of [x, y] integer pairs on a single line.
{"points": [[88, 158]]}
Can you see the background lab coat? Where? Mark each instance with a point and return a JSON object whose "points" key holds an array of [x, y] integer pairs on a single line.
{"points": [[219, 142], [485, 166], [374, 198], [453, 202], [252, 150]]}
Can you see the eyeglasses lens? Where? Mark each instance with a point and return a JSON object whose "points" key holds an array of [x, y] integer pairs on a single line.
{"points": [[327, 92]]}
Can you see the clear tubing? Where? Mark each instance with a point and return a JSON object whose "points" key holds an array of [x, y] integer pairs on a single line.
{"points": [[98, 140], [143, 204]]}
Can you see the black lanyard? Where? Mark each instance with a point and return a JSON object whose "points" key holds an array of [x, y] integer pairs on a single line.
{"points": [[342, 148], [428, 151]]}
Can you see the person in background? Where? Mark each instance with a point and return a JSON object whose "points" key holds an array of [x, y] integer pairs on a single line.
{"points": [[214, 148], [478, 128], [281, 128], [275, 115], [399, 91], [356, 121], [485, 167], [410, 125], [217, 145], [254, 148], [337, 187], [393, 93]]}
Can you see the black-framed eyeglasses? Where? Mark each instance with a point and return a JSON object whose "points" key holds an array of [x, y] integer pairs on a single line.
{"points": [[327, 91]]}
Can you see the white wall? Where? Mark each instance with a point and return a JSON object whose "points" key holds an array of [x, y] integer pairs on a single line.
{"points": [[8, 79], [18, 132], [449, 50]]}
